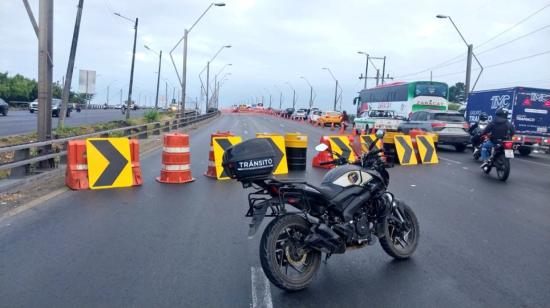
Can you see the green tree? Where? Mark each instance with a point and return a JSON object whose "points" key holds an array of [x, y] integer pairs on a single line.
{"points": [[456, 93]]}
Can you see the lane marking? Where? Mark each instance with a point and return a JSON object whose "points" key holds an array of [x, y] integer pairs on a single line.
{"points": [[450, 160], [261, 290], [533, 162]]}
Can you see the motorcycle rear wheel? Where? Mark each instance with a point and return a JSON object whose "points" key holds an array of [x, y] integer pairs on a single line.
{"points": [[400, 241], [282, 248], [502, 166]]}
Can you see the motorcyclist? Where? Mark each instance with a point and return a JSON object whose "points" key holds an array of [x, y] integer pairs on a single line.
{"points": [[499, 129], [477, 128]]}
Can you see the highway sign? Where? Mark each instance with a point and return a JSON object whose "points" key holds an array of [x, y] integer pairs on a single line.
{"points": [[109, 162], [278, 143], [341, 145]]}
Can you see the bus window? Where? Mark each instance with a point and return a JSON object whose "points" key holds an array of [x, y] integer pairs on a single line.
{"points": [[427, 89]]}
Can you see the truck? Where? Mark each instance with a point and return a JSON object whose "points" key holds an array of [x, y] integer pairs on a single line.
{"points": [[384, 119], [529, 113]]}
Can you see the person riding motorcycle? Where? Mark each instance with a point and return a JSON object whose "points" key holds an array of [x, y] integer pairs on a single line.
{"points": [[499, 129], [477, 128]]}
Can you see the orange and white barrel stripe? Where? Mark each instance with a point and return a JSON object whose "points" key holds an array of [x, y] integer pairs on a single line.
{"points": [[176, 159]]}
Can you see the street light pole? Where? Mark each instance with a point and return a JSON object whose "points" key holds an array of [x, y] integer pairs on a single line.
{"points": [[310, 92], [183, 79], [366, 67], [335, 88], [293, 95], [158, 75], [208, 74], [468, 61], [128, 103]]}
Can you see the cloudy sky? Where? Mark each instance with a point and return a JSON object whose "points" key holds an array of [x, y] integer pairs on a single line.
{"points": [[275, 42]]}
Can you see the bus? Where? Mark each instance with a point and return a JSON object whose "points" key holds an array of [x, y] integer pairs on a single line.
{"points": [[404, 98]]}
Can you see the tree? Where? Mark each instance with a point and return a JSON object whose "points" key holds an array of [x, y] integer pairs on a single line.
{"points": [[20, 88], [456, 93]]}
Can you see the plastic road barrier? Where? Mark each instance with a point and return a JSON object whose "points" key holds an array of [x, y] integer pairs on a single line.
{"points": [[296, 151], [278, 143], [176, 159]]}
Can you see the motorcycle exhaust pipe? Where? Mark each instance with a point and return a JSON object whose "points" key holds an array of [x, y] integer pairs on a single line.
{"points": [[324, 239]]}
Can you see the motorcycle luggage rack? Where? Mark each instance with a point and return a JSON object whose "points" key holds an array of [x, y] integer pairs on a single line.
{"points": [[277, 205]]}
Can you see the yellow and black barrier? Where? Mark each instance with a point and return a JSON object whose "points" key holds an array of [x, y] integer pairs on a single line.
{"points": [[278, 142], [296, 151], [219, 145]]}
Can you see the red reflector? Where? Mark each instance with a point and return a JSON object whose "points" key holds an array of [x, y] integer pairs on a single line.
{"points": [[292, 200], [508, 145]]}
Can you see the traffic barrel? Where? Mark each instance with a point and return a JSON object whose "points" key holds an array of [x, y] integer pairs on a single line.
{"points": [[413, 133], [211, 170], [136, 166], [76, 174], [176, 160], [324, 156], [296, 151]]}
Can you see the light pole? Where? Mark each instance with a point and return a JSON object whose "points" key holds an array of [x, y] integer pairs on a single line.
{"points": [[183, 79], [133, 61], [219, 84], [293, 95], [280, 97], [336, 88], [310, 92], [158, 76], [468, 61], [208, 74], [366, 67]]}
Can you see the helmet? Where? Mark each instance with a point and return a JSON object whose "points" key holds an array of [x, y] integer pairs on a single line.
{"points": [[483, 116], [502, 112]]}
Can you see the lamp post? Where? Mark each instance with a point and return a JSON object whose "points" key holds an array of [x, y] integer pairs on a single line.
{"points": [[183, 79], [133, 61], [108, 86], [293, 95], [366, 67], [280, 97], [208, 74], [335, 88], [158, 75], [310, 92], [468, 61]]}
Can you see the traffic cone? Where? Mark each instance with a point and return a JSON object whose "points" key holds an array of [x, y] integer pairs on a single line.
{"points": [[324, 156]]}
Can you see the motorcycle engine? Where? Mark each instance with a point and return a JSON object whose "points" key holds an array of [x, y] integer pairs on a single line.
{"points": [[362, 226]]}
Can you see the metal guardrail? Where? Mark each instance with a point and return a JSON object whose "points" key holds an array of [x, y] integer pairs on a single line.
{"points": [[36, 156]]}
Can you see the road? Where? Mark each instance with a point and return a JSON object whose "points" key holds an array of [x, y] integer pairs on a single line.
{"points": [[22, 121], [483, 243]]}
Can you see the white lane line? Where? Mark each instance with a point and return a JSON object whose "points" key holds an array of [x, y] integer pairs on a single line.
{"points": [[261, 290], [450, 160], [533, 162]]}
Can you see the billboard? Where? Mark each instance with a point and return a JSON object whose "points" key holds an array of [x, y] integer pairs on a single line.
{"points": [[86, 82]]}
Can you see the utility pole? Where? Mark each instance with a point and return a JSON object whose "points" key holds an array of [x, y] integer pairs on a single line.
{"points": [[281, 100], [158, 82], [377, 76], [336, 94], [366, 67], [207, 84], [121, 96], [383, 69], [107, 98], [45, 66], [69, 75], [269, 100], [468, 72], [129, 102], [431, 76], [166, 96]]}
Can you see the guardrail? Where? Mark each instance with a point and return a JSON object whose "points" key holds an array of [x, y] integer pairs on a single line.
{"points": [[33, 157]]}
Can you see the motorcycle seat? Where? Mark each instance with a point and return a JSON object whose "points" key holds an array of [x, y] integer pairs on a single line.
{"points": [[327, 191]]}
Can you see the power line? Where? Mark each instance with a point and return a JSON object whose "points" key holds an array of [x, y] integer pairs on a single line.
{"points": [[513, 26], [513, 40]]}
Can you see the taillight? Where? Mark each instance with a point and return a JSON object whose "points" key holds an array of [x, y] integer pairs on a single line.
{"points": [[508, 145], [516, 138], [438, 125], [466, 126]]}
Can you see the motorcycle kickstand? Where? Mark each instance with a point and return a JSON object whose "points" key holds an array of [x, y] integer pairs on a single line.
{"points": [[327, 256]]}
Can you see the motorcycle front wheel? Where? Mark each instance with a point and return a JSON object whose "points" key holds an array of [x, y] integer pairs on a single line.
{"points": [[401, 232], [502, 165], [285, 259]]}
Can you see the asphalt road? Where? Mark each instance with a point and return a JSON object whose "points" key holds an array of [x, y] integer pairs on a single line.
{"points": [[483, 243], [22, 121]]}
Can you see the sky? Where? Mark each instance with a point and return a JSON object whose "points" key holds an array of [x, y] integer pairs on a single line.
{"points": [[274, 43]]}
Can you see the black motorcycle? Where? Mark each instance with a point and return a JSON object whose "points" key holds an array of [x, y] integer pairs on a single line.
{"points": [[477, 139], [350, 209], [499, 159]]}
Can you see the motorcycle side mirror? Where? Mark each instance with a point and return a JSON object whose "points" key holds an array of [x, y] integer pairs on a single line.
{"points": [[321, 147], [379, 134]]}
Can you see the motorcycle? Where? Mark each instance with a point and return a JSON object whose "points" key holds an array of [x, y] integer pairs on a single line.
{"points": [[499, 159], [351, 209]]}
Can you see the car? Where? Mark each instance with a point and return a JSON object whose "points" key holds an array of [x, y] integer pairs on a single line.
{"points": [[287, 112], [118, 106], [300, 114], [314, 115], [4, 107], [328, 118], [384, 119], [56, 107], [450, 127]]}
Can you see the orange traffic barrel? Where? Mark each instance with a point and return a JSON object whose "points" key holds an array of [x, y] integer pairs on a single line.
{"points": [[176, 160], [211, 170]]}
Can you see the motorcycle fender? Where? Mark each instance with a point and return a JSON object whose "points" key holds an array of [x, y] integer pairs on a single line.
{"points": [[258, 217]]}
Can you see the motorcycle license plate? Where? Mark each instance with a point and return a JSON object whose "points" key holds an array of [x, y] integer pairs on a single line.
{"points": [[509, 153]]}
